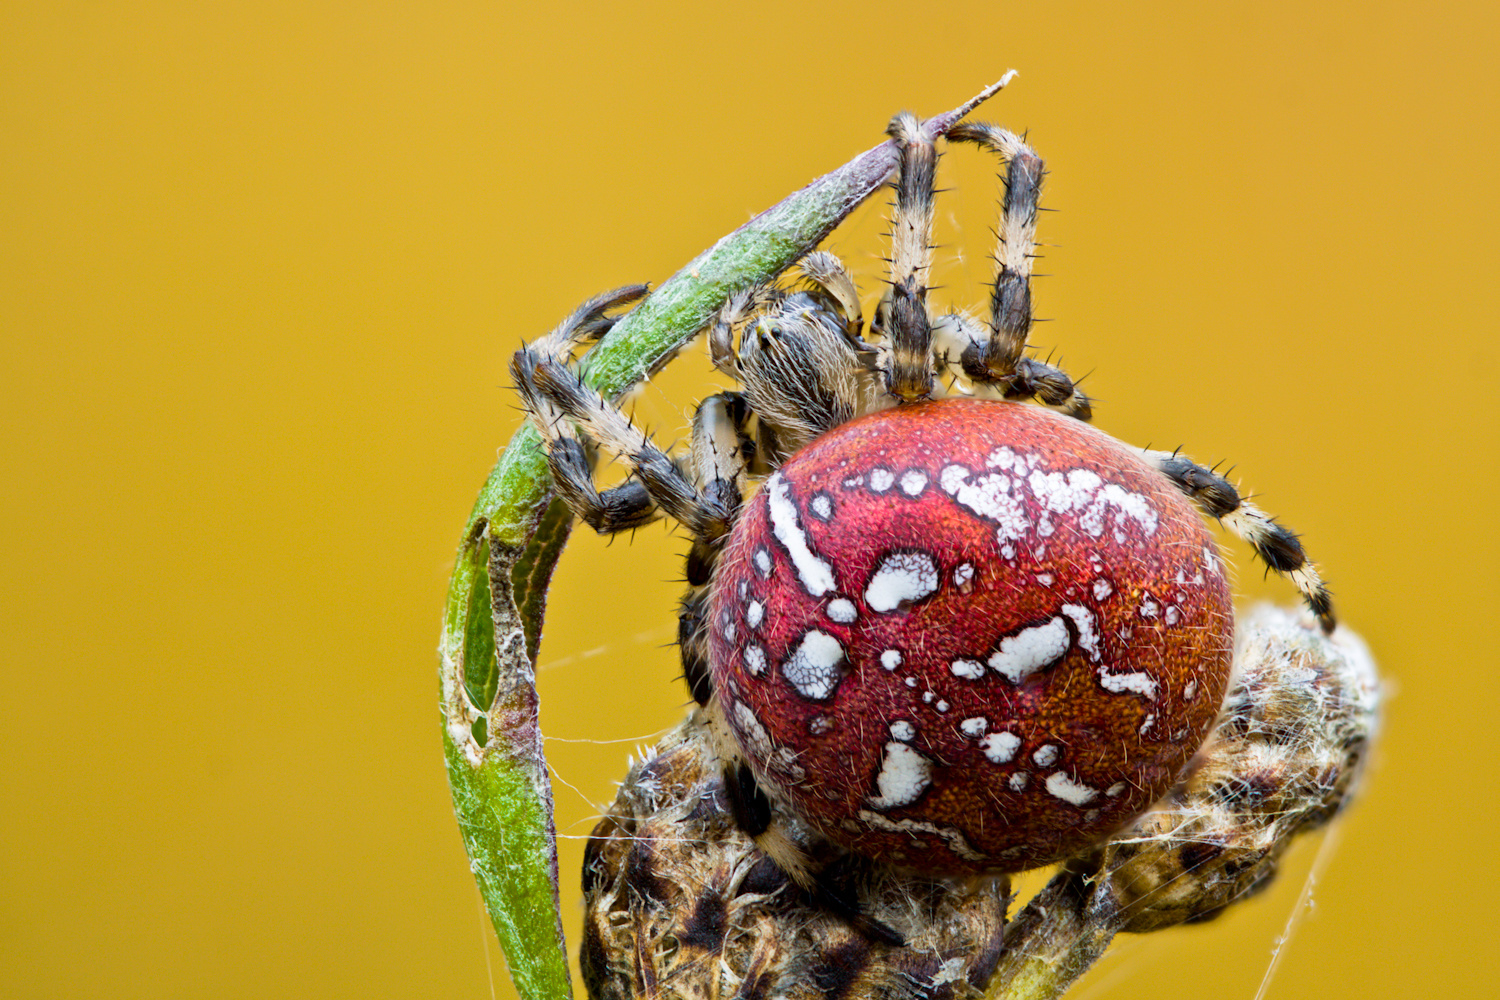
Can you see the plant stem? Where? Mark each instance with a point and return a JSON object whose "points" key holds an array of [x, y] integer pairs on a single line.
{"points": [[492, 742]]}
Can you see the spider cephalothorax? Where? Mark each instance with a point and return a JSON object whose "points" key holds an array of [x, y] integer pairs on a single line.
{"points": [[952, 631]]}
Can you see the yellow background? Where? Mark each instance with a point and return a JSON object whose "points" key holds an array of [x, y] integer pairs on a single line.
{"points": [[264, 263]]}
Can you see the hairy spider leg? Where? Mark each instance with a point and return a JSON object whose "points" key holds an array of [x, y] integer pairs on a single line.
{"points": [[997, 356], [906, 358], [622, 508], [1278, 546]]}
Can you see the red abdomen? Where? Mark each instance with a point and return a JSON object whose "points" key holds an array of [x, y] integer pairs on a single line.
{"points": [[969, 636]]}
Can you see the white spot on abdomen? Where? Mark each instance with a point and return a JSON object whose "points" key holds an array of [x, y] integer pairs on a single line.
{"points": [[903, 577], [1045, 755], [1000, 747], [989, 497], [814, 668], [1029, 650], [904, 776], [881, 479], [903, 731], [816, 575], [1136, 683], [1088, 635], [755, 660], [842, 610], [890, 659], [913, 482], [1060, 785], [968, 669], [975, 727], [1083, 493]]}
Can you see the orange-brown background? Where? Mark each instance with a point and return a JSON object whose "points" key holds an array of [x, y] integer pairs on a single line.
{"points": [[263, 263]]}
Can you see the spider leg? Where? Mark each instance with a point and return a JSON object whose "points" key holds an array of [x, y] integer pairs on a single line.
{"points": [[622, 508], [828, 273], [722, 450], [558, 399], [998, 357], [590, 321], [906, 361], [1277, 545], [731, 315]]}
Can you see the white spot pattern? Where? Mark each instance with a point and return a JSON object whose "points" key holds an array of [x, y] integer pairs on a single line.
{"points": [[975, 727], [956, 842], [1029, 650], [1136, 683], [1062, 786], [842, 610], [890, 659], [903, 731], [814, 668], [1088, 635], [1000, 748], [962, 574], [913, 482], [1082, 492], [968, 669], [755, 660], [1210, 559], [762, 561], [816, 575], [1045, 755], [881, 479], [1102, 589], [904, 776], [901, 578], [1018, 781], [821, 506], [988, 496], [754, 613]]}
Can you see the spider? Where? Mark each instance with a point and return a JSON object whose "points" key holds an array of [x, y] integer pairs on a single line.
{"points": [[950, 629]]}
